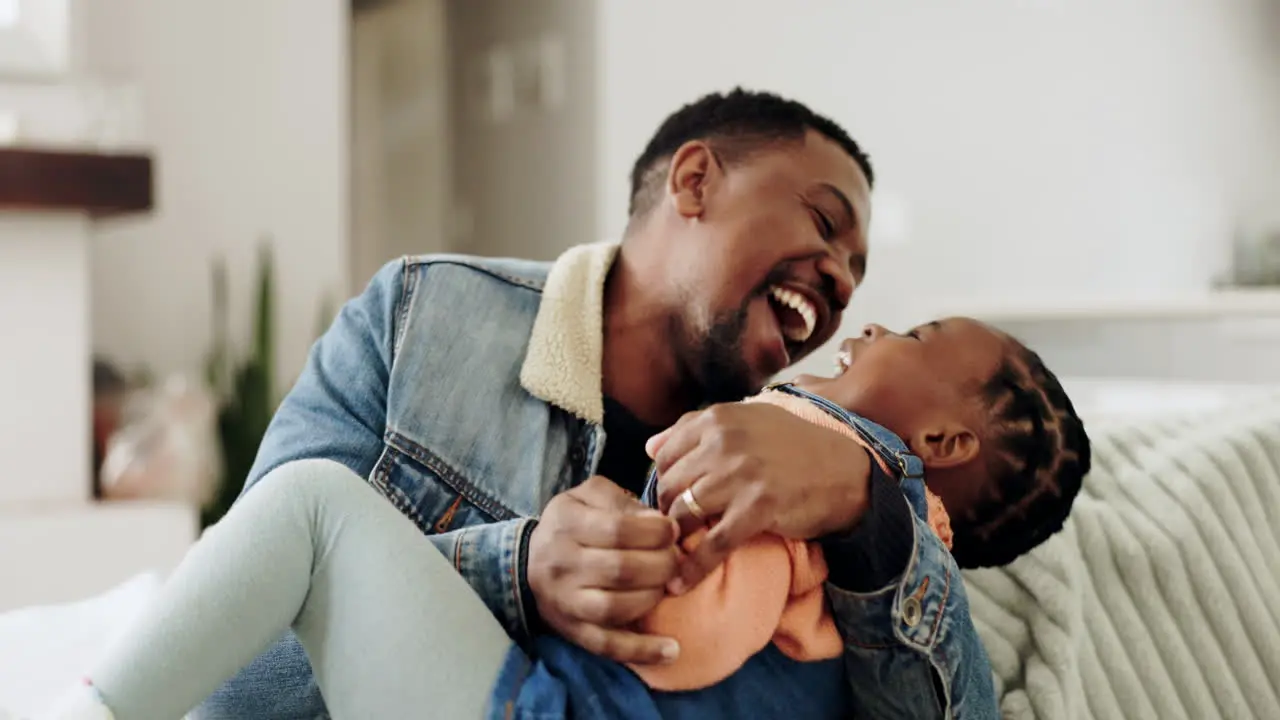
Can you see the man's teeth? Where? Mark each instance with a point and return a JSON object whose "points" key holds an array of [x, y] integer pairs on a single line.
{"points": [[803, 308]]}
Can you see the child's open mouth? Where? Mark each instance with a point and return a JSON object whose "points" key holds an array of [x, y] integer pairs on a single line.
{"points": [[844, 359]]}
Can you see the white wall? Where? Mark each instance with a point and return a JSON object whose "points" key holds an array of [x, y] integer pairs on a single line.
{"points": [[526, 185], [1040, 147], [245, 105]]}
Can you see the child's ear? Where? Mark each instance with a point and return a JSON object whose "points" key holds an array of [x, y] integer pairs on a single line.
{"points": [[945, 445]]}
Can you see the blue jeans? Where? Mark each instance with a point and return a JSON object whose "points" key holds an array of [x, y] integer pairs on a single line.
{"points": [[566, 681]]}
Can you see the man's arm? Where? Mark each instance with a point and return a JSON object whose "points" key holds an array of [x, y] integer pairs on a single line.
{"points": [[900, 604]]}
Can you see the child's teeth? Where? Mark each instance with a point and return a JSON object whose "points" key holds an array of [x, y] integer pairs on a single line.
{"points": [[843, 361]]}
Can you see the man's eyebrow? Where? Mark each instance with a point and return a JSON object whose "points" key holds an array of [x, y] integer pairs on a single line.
{"points": [[851, 215]]}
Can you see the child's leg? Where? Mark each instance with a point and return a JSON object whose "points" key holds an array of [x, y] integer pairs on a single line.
{"points": [[390, 628]]}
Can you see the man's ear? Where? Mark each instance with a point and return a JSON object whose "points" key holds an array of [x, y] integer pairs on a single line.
{"points": [[693, 168], [945, 445]]}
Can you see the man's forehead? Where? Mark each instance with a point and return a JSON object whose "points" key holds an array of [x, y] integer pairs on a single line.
{"points": [[834, 158], [819, 159]]}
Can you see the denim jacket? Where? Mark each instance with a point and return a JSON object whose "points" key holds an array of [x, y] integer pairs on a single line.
{"points": [[468, 392]]}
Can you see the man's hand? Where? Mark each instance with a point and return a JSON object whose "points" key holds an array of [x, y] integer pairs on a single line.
{"points": [[598, 561], [756, 468]]}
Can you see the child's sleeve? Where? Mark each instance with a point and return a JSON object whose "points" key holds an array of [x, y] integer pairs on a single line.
{"points": [[725, 619]]}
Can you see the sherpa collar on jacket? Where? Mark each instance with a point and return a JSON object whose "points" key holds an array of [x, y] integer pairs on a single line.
{"points": [[565, 363]]}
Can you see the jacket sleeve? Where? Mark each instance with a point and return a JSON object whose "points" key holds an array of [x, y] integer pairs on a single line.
{"points": [[494, 558], [911, 649]]}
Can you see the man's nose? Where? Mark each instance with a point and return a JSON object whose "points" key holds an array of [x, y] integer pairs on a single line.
{"points": [[839, 280], [873, 332]]}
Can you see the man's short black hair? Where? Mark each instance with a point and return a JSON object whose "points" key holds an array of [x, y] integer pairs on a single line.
{"points": [[1037, 455], [733, 124]]}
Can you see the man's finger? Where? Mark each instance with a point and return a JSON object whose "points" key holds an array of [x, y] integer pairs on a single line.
{"points": [[627, 569], [711, 494], [730, 533], [685, 520], [602, 493], [647, 529], [692, 469], [612, 608], [625, 647], [677, 441], [654, 444]]}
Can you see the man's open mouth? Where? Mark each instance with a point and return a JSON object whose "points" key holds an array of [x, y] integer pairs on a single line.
{"points": [[796, 314]]}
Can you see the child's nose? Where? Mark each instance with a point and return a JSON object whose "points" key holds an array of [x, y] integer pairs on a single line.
{"points": [[874, 331]]}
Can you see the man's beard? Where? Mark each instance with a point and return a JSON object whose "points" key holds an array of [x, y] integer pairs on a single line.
{"points": [[721, 368]]}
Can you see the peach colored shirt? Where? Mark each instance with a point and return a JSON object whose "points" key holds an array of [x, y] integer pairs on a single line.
{"points": [[770, 590]]}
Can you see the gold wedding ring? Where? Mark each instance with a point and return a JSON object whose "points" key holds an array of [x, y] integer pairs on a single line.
{"points": [[694, 508]]}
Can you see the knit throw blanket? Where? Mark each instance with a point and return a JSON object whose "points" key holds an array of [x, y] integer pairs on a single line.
{"points": [[1161, 597]]}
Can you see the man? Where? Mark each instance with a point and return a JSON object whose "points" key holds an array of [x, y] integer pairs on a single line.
{"points": [[504, 406]]}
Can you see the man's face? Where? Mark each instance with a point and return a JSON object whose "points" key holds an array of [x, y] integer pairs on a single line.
{"points": [[775, 245]]}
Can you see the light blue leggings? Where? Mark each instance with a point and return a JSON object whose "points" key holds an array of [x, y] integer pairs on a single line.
{"points": [[392, 631]]}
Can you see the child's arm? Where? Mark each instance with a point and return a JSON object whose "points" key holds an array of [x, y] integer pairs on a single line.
{"points": [[732, 614]]}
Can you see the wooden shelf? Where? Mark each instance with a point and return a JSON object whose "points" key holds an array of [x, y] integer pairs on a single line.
{"points": [[99, 185]]}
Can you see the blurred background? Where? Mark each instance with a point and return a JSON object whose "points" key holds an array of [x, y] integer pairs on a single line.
{"points": [[188, 191]]}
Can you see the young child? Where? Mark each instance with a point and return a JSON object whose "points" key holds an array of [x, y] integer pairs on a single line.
{"points": [[1004, 454], [1002, 445]]}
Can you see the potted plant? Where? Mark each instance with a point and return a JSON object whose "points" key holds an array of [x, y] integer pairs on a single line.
{"points": [[243, 386]]}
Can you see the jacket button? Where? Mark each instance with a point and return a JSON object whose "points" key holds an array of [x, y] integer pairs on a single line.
{"points": [[911, 611], [576, 456]]}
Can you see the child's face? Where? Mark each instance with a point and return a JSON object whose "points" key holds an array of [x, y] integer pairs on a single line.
{"points": [[915, 384]]}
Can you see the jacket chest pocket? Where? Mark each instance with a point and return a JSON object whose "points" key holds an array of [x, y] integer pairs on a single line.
{"points": [[424, 495]]}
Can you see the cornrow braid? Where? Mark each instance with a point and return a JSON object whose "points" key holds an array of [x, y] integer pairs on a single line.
{"points": [[1037, 455]]}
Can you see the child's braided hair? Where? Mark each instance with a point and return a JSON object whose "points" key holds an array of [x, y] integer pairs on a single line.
{"points": [[1037, 454]]}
